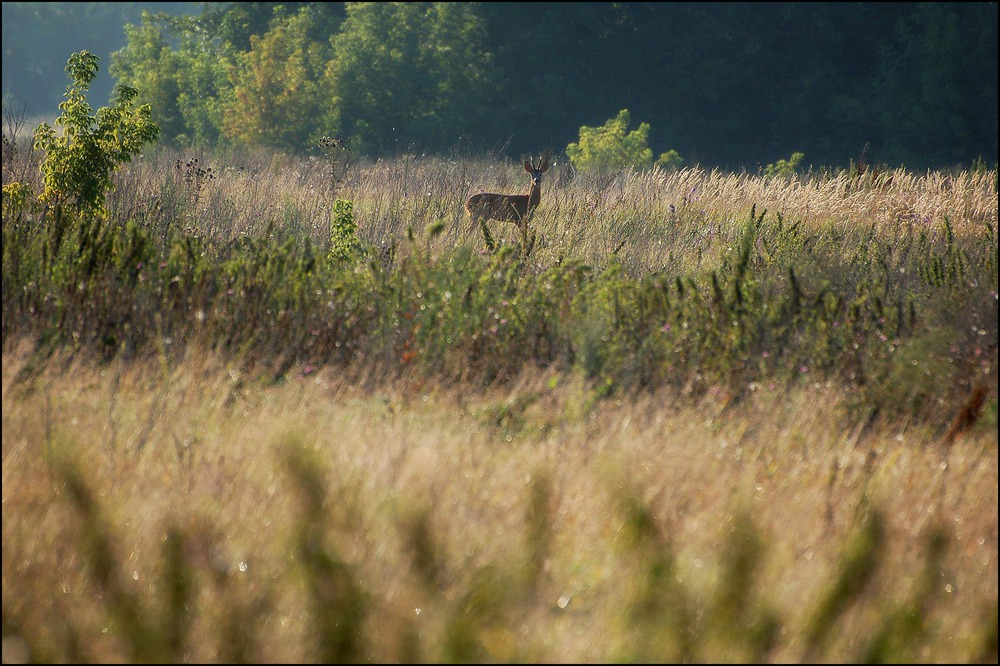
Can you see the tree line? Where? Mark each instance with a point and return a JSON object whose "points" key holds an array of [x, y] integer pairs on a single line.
{"points": [[733, 85]]}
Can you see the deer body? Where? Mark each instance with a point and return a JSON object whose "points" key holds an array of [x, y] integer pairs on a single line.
{"points": [[516, 208]]}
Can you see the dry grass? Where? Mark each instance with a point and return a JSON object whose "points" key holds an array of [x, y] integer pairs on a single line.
{"points": [[200, 447], [656, 220], [507, 523]]}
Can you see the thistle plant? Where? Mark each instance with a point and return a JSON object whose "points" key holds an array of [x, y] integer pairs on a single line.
{"points": [[333, 149]]}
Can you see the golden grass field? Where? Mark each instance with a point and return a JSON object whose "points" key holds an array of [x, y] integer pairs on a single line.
{"points": [[211, 461], [529, 520]]}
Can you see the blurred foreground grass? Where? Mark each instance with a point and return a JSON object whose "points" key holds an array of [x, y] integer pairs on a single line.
{"points": [[199, 514]]}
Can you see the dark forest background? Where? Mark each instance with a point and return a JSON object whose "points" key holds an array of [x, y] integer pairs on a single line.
{"points": [[728, 85]]}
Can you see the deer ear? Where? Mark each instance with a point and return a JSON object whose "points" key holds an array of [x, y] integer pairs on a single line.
{"points": [[527, 166], [545, 166]]}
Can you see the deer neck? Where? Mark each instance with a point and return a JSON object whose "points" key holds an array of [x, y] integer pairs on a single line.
{"points": [[534, 195]]}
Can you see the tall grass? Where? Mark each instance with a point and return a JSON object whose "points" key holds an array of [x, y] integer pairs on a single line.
{"points": [[197, 514], [884, 282], [283, 409]]}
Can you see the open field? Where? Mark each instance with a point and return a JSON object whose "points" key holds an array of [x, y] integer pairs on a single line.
{"points": [[697, 416]]}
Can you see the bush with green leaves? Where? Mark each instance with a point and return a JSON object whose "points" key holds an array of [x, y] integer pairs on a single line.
{"points": [[612, 146], [344, 243], [669, 161], [784, 168], [79, 162]]}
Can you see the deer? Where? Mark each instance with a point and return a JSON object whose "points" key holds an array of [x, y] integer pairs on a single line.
{"points": [[516, 208]]}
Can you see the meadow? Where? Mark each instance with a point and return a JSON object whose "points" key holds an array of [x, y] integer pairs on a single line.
{"points": [[293, 409]]}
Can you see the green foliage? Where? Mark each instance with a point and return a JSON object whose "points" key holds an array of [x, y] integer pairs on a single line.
{"points": [[418, 76], [15, 197], [233, 25], [276, 99], [344, 243], [181, 72], [936, 55], [856, 574], [78, 165], [148, 64], [784, 168], [406, 74], [669, 161], [611, 146]]}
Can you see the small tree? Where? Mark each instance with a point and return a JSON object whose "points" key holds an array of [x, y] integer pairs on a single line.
{"points": [[78, 163], [610, 147]]}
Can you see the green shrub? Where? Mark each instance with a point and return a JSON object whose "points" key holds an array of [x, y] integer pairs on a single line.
{"points": [[611, 147], [669, 161], [784, 168], [344, 243]]}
